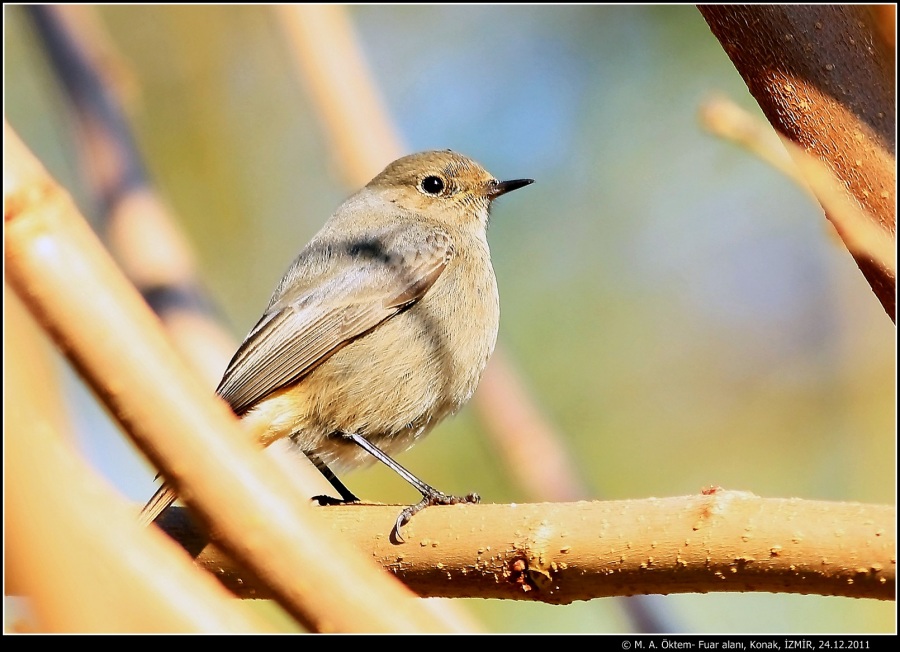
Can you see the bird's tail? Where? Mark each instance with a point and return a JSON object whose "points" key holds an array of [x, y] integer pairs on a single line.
{"points": [[163, 497]]}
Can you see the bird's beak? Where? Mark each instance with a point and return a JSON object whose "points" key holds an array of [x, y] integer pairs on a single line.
{"points": [[496, 188]]}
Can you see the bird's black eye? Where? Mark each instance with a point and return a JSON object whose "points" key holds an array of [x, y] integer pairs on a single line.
{"points": [[432, 185]]}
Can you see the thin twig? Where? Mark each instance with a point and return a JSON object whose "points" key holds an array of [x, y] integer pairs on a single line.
{"points": [[857, 228]]}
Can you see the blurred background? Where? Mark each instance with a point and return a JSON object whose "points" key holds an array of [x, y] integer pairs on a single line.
{"points": [[680, 312]]}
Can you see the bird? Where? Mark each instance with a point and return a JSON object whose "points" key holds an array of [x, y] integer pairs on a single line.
{"points": [[381, 327]]}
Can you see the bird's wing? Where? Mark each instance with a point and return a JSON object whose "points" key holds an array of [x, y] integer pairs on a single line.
{"points": [[355, 289]]}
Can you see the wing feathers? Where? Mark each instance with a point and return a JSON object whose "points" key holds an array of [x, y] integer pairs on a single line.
{"points": [[354, 293]]}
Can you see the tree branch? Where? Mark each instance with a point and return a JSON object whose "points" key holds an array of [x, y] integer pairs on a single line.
{"points": [[73, 288], [73, 546], [825, 80], [562, 552]]}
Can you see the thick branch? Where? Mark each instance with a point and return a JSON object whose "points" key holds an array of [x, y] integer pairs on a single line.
{"points": [[561, 552], [825, 81], [73, 546]]}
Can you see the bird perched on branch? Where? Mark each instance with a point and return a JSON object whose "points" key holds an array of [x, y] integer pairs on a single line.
{"points": [[381, 327]]}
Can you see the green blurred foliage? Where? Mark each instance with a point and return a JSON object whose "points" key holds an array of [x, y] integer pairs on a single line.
{"points": [[680, 311]]}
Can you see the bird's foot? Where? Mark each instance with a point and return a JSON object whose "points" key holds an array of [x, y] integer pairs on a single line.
{"points": [[433, 498], [325, 501]]}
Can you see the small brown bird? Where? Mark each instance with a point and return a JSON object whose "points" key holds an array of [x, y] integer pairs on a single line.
{"points": [[381, 327]]}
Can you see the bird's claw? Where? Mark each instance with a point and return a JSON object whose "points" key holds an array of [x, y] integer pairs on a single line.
{"points": [[435, 498], [325, 500]]}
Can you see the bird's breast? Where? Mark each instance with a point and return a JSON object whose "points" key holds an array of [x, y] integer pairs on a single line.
{"points": [[396, 382]]}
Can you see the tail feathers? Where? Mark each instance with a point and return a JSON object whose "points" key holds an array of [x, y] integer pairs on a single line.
{"points": [[163, 497]]}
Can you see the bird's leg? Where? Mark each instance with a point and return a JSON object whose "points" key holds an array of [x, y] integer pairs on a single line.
{"points": [[347, 496], [430, 495]]}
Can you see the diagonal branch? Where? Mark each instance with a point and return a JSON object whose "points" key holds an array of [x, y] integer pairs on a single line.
{"points": [[824, 78], [68, 281]]}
